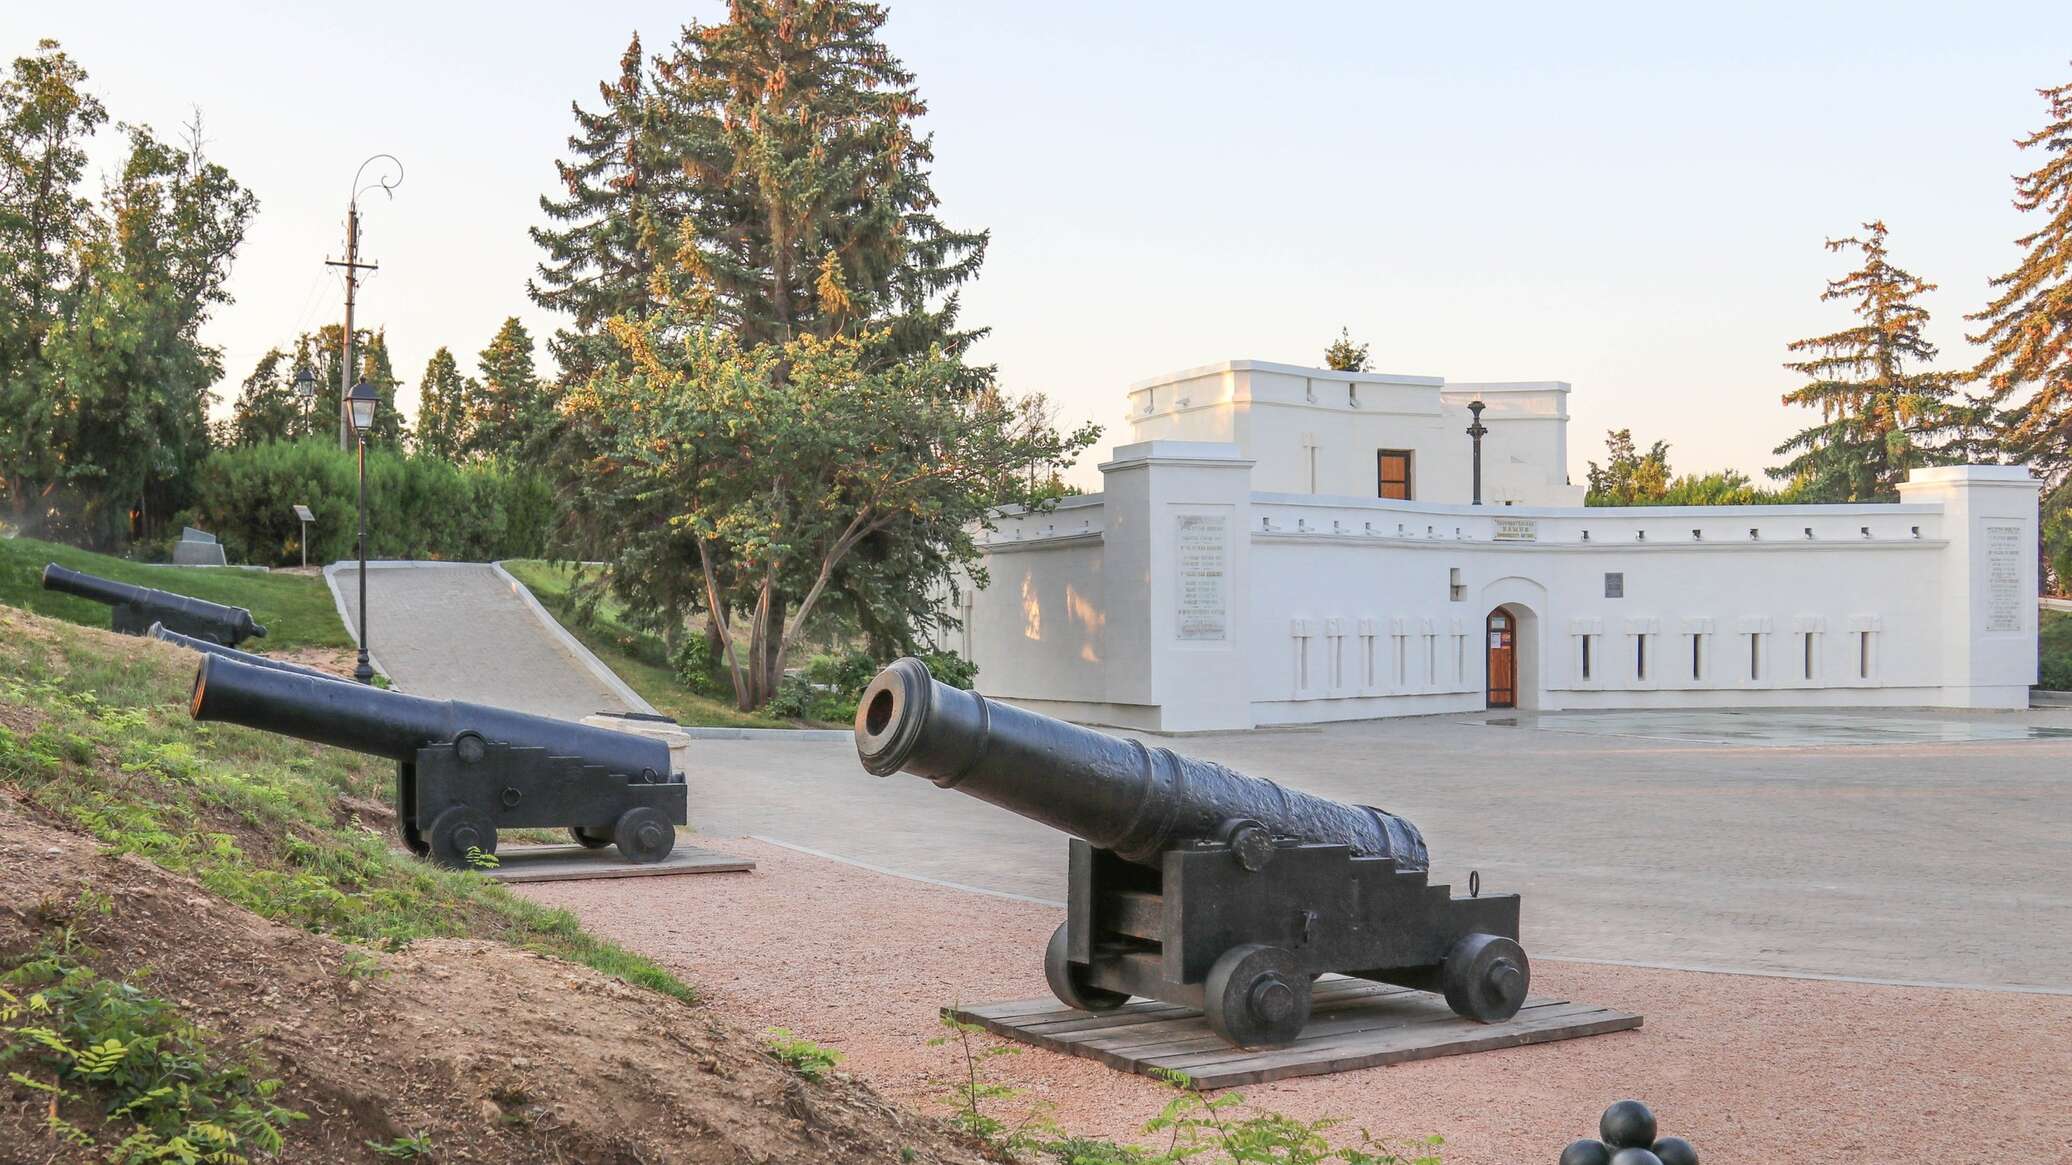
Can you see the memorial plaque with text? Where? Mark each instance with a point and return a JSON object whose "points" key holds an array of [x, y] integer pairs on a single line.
{"points": [[2006, 550], [1203, 551]]}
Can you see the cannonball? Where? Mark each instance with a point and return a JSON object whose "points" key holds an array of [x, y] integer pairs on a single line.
{"points": [[1635, 1155], [1676, 1151], [1627, 1124], [1586, 1153]]}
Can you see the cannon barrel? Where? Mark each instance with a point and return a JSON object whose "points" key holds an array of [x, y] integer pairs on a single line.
{"points": [[105, 590], [1118, 794], [165, 634], [367, 719]]}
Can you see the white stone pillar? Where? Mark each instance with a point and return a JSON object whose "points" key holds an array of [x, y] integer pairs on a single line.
{"points": [[1175, 556], [1986, 579]]}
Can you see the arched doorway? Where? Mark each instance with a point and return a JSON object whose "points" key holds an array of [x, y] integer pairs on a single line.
{"points": [[1501, 627], [1520, 601]]}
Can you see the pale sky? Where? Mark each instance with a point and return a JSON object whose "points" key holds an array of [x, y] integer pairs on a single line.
{"points": [[1631, 198]]}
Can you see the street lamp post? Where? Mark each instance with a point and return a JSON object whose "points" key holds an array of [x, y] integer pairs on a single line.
{"points": [[305, 390], [1477, 430], [360, 405]]}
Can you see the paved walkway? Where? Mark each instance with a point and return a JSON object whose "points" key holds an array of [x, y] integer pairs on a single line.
{"points": [[457, 631], [1930, 861]]}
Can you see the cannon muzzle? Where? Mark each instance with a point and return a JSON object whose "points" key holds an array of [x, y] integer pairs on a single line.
{"points": [[391, 724], [136, 608], [1117, 794]]}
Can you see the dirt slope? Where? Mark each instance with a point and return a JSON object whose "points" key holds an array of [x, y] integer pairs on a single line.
{"points": [[492, 1053]]}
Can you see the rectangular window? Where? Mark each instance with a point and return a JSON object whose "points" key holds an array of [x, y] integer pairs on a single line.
{"points": [[1697, 657], [1863, 655], [1394, 474], [1586, 655], [1640, 657], [1809, 654], [1755, 655]]}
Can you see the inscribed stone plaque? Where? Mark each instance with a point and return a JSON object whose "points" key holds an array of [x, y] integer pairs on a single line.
{"points": [[1203, 553], [1614, 584], [1517, 530], [2005, 554]]}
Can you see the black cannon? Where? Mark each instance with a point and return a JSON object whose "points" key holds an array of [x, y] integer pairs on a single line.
{"points": [[1194, 884], [164, 634], [135, 609], [463, 771]]}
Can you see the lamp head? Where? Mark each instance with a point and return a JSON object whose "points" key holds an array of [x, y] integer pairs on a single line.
{"points": [[361, 403], [305, 384]]}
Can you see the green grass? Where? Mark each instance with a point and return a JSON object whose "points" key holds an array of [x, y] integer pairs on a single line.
{"points": [[95, 731], [296, 610], [638, 657], [2054, 651]]}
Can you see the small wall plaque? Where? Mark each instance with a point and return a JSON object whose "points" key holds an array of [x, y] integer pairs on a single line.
{"points": [[1614, 584]]}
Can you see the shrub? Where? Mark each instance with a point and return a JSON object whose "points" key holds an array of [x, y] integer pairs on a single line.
{"points": [[417, 507], [829, 686]]}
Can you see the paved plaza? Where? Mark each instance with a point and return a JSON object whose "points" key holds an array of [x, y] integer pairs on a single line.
{"points": [[1926, 848]]}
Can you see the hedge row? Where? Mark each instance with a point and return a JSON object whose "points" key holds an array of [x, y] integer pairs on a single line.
{"points": [[417, 507]]}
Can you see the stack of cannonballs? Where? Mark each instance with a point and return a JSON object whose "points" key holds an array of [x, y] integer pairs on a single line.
{"points": [[1627, 1137]]}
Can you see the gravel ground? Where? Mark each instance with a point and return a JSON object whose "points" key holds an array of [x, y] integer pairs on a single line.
{"points": [[1751, 1069]]}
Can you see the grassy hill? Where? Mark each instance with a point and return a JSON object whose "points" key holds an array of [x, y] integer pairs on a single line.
{"points": [[296, 609], [208, 936]]}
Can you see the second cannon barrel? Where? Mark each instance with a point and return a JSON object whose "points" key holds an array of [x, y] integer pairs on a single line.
{"points": [[392, 724], [163, 606], [1118, 794]]}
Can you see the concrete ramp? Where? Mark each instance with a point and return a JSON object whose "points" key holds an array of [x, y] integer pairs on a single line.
{"points": [[468, 631]]}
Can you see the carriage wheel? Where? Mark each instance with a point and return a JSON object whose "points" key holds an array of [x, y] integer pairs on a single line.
{"points": [[1068, 979], [1485, 978], [1257, 996], [458, 831], [644, 835], [590, 838]]}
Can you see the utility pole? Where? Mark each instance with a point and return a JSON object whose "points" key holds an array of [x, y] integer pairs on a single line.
{"points": [[353, 267]]}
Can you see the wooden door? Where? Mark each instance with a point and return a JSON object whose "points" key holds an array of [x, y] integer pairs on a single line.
{"points": [[1503, 660]]}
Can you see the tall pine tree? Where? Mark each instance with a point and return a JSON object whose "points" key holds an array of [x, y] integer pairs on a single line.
{"points": [[509, 402], [1880, 411], [443, 400], [2028, 326], [615, 219]]}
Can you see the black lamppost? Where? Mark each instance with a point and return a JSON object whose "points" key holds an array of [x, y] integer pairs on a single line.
{"points": [[305, 389], [360, 405], [1478, 430]]}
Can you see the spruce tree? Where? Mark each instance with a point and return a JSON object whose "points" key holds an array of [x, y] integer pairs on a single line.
{"points": [[809, 209], [616, 219], [1880, 411], [443, 425], [2028, 326], [509, 402]]}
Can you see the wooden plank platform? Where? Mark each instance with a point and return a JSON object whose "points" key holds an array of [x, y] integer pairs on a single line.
{"points": [[574, 863], [1353, 1024]]}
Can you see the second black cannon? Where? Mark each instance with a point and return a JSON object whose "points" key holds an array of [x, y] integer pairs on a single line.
{"points": [[1194, 884]]}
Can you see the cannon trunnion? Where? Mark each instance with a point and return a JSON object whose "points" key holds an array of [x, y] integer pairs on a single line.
{"points": [[1194, 884], [465, 771], [135, 610]]}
